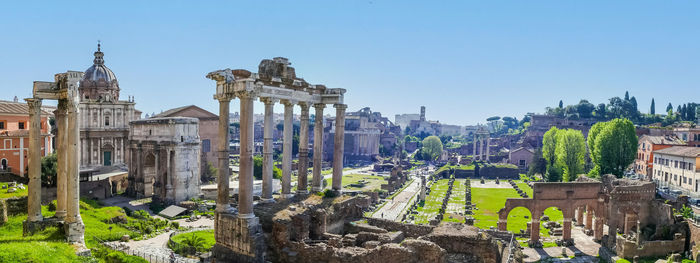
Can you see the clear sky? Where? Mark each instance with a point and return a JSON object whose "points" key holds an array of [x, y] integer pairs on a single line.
{"points": [[464, 60]]}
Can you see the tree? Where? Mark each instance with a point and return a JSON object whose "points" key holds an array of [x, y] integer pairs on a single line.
{"points": [[600, 111], [494, 118], [652, 110], [295, 144], [549, 146], [561, 104], [258, 169], [209, 173], [538, 165], [571, 153], [614, 146], [48, 170], [585, 109], [432, 148], [669, 107], [627, 95]]}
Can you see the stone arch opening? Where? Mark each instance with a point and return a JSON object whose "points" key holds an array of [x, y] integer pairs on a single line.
{"points": [[518, 218], [149, 173], [552, 221]]}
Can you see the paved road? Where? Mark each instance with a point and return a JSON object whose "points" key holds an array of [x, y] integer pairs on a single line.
{"points": [[583, 243], [392, 209]]}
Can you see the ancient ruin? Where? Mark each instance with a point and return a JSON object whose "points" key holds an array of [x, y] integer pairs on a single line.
{"points": [[238, 233], [65, 90], [166, 159], [482, 137]]}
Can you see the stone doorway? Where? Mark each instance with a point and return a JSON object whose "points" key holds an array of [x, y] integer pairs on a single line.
{"points": [[149, 174], [107, 151], [3, 165]]}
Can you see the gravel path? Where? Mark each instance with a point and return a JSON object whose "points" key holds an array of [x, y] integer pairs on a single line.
{"points": [[392, 209]]}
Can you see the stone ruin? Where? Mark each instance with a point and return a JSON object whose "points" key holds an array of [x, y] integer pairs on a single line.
{"points": [[317, 229], [396, 180]]}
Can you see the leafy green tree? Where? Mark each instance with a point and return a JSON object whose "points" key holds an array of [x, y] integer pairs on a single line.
{"points": [[538, 165], [601, 111], [549, 147], [494, 118], [209, 173], [585, 109], [432, 148], [258, 169], [561, 104], [48, 170], [614, 147], [571, 153], [627, 95], [652, 110]]}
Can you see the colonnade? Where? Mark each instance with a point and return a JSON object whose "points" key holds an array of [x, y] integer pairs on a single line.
{"points": [[64, 90], [484, 142]]}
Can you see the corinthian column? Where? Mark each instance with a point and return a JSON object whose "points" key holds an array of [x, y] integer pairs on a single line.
{"points": [[245, 175], [267, 150], [74, 227], [318, 147], [34, 196], [287, 150], [222, 179], [61, 171], [488, 143], [339, 146], [303, 167]]}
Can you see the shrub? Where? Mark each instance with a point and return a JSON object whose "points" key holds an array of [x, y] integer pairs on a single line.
{"points": [[175, 225], [329, 193], [128, 211]]}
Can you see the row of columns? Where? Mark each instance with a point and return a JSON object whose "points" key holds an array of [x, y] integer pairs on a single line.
{"points": [[589, 223], [68, 163], [483, 147], [245, 177]]}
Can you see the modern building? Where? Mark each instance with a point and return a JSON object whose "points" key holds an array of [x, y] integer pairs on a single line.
{"points": [[644, 163], [104, 119], [14, 136], [678, 167], [690, 135]]}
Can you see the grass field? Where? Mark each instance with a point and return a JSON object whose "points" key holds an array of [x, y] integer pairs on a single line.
{"points": [[373, 182], [490, 200], [432, 203], [5, 194], [455, 205]]}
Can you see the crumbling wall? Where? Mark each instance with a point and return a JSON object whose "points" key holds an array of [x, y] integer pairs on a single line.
{"points": [[628, 248], [468, 242], [410, 230]]}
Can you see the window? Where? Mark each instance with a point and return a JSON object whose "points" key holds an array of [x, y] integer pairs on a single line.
{"points": [[21, 125], [675, 164], [522, 162], [2, 125], [206, 145], [106, 120]]}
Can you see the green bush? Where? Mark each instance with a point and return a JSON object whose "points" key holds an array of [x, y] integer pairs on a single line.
{"points": [[329, 193], [112, 256]]}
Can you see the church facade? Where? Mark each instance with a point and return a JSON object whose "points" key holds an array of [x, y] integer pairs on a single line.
{"points": [[104, 119]]}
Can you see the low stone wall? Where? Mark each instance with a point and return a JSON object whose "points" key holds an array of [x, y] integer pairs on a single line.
{"points": [[468, 242], [492, 172], [12, 206], [628, 249], [409, 230], [8, 177]]}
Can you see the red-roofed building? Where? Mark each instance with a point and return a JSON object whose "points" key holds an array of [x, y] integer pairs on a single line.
{"points": [[14, 136], [644, 163]]}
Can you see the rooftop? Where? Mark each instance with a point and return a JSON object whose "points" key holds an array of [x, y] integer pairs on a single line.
{"points": [[11, 107], [685, 151], [663, 140]]}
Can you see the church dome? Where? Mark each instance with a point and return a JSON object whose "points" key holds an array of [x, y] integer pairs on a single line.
{"points": [[99, 82]]}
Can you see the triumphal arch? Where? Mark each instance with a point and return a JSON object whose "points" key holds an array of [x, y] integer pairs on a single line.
{"points": [[238, 233], [65, 90]]}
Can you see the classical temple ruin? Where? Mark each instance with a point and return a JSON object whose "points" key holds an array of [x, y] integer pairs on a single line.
{"points": [[65, 90], [238, 233], [482, 137], [166, 159]]}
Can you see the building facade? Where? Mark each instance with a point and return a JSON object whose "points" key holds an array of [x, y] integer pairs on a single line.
{"points": [[104, 119], [691, 135], [521, 157], [166, 158], [14, 136], [644, 163], [678, 167]]}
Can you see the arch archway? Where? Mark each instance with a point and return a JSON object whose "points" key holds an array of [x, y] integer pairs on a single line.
{"points": [[149, 173], [3, 164], [517, 219]]}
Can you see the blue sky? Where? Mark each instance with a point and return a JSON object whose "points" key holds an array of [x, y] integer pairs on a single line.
{"points": [[464, 60]]}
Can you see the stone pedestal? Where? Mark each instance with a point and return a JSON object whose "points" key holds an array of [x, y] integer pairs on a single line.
{"points": [[238, 239], [502, 225], [535, 231], [74, 232], [598, 229], [566, 230]]}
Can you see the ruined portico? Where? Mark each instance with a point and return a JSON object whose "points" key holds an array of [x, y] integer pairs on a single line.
{"points": [[65, 90], [482, 137], [239, 237]]}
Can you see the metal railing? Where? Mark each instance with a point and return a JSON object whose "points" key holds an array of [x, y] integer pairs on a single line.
{"points": [[511, 249], [152, 258]]}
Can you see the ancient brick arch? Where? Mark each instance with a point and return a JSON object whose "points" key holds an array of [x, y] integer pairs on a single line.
{"points": [[568, 197]]}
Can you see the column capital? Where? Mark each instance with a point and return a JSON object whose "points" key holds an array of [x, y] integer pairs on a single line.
{"points": [[304, 105], [223, 97], [319, 106], [33, 103], [287, 103], [246, 94], [340, 106], [268, 100]]}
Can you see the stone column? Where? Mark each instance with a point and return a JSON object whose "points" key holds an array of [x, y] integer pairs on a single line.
{"points": [[598, 228], [474, 152], [535, 230], [502, 225], [34, 191], [566, 229], [318, 148], [339, 146], [589, 219], [303, 167], [579, 216], [61, 174], [287, 150], [488, 142], [74, 227], [267, 150], [222, 179], [245, 175]]}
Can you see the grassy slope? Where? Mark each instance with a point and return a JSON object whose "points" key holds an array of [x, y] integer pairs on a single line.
{"points": [[432, 202], [207, 235], [490, 200], [5, 194], [374, 182], [456, 203]]}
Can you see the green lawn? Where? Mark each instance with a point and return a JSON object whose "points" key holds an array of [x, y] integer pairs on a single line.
{"points": [[455, 206], [5, 194], [206, 235], [490, 200], [433, 202], [373, 182]]}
